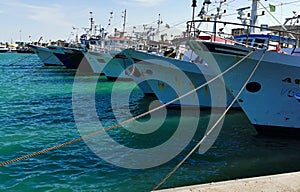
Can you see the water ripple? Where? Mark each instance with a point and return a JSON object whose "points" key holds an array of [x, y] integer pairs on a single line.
{"points": [[36, 113]]}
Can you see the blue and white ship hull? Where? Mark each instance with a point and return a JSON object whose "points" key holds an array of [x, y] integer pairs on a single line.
{"points": [[106, 63], [97, 60], [172, 78], [126, 61], [46, 55], [271, 98], [115, 69]]}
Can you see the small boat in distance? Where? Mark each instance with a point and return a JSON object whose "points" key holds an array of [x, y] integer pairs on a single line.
{"points": [[3, 48]]}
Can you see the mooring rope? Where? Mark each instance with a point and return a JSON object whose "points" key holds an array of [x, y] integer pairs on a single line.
{"points": [[28, 74], [39, 69], [8, 162], [213, 127], [22, 59]]}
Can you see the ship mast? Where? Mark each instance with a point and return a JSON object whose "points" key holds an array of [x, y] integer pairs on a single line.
{"points": [[92, 23], [218, 16], [159, 22], [254, 16], [124, 22], [194, 5]]}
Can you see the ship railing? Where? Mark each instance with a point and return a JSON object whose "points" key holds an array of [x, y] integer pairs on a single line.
{"points": [[282, 38]]}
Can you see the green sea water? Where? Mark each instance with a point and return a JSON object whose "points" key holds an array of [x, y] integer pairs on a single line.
{"points": [[37, 112]]}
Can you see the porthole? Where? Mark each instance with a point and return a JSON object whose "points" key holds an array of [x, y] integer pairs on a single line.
{"points": [[253, 87]]}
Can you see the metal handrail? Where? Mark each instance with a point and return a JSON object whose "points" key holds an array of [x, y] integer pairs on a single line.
{"points": [[239, 24], [281, 33]]}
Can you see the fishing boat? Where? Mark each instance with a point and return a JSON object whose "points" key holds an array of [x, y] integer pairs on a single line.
{"points": [[25, 50], [70, 57], [12, 47], [271, 96], [97, 60], [125, 60], [3, 48], [47, 54], [114, 69], [100, 52], [100, 49], [176, 72], [23, 47], [171, 78], [125, 67]]}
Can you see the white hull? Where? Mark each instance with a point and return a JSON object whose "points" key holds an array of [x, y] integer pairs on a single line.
{"points": [[270, 99], [3, 49], [115, 68], [103, 63], [171, 78], [97, 60], [130, 70], [46, 55]]}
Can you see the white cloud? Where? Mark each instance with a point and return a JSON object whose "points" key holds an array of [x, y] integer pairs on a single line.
{"points": [[35, 20], [51, 15], [141, 3]]}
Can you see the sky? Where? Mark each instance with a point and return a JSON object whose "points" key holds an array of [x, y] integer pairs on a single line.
{"points": [[54, 19]]}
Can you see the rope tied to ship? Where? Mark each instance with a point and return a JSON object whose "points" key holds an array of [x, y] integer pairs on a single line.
{"points": [[30, 73], [22, 59], [39, 69], [213, 127], [8, 162]]}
